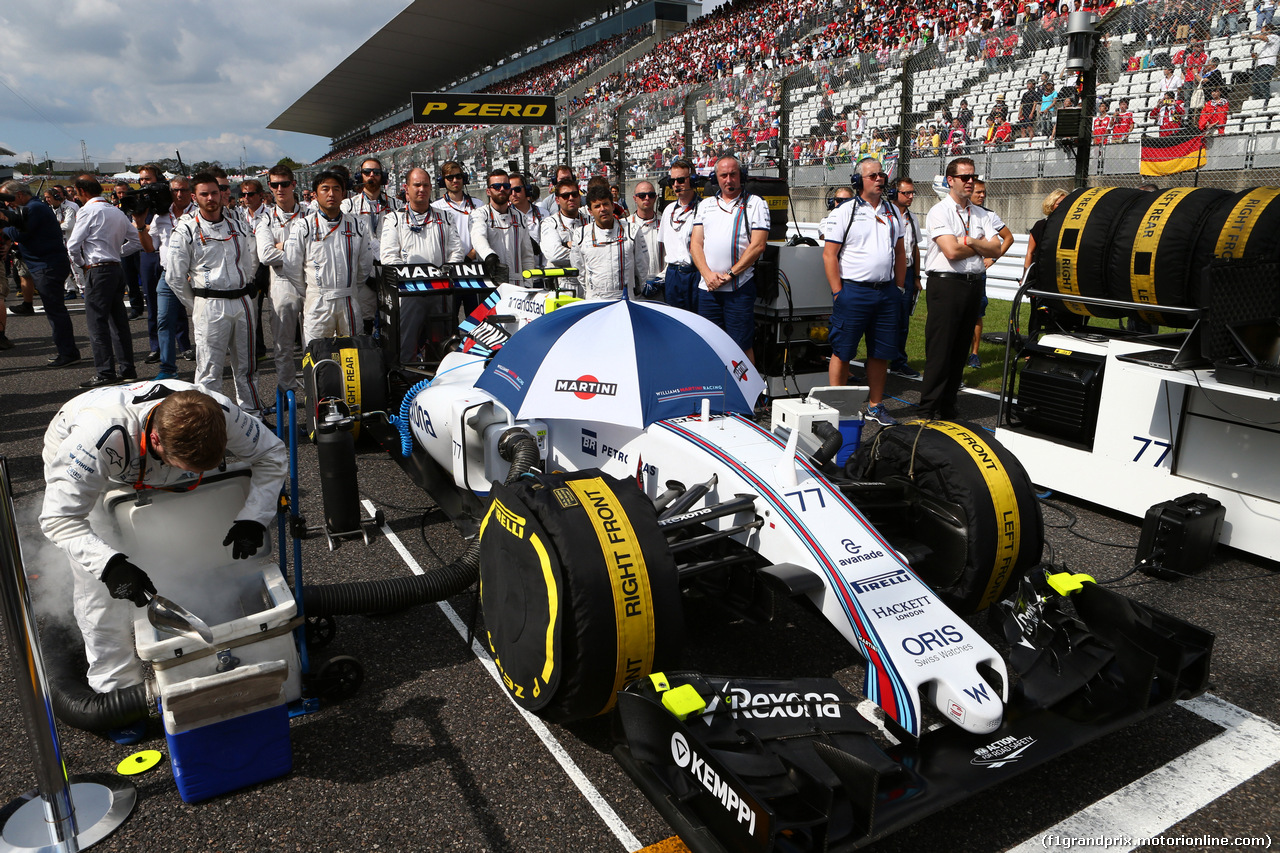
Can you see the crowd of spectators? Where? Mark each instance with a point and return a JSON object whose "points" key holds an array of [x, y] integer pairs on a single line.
{"points": [[741, 50]]}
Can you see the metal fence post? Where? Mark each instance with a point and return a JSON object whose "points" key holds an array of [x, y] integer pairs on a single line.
{"points": [[61, 814]]}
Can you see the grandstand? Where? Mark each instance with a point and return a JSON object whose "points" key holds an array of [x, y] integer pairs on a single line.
{"points": [[805, 87]]}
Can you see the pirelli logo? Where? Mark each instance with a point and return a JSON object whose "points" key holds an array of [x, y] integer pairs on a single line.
{"points": [[466, 108], [511, 521]]}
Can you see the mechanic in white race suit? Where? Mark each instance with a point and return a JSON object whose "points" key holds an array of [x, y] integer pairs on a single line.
{"points": [[286, 299], [371, 205], [419, 234], [498, 236], [212, 260], [145, 435], [327, 256], [603, 250]]}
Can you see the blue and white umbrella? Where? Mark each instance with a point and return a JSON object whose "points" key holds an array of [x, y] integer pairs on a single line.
{"points": [[627, 363]]}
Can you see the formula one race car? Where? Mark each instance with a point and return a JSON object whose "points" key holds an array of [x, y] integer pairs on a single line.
{"points": [[653, 476]]}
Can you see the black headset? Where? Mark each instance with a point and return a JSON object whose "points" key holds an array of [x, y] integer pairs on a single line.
{"points": [[855, 180], [832, 201]]}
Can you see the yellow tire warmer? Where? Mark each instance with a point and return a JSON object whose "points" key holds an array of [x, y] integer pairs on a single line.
{"points": [[578, 589], [962, 464]]}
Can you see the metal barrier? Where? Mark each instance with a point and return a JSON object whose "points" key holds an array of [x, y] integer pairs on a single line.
{"points": [[61, 814]]}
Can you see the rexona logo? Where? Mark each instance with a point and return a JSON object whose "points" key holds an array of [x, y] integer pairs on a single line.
{"points": [[761, 706], [685, 758], [881, 581], [586, 387], [1004, 751]]}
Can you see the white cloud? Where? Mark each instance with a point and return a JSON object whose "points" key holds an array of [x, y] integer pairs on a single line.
{"points": [[146, 71]]}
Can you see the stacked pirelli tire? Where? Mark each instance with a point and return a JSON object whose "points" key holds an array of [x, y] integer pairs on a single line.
{"points": [[1152, 248], [578, 589]]}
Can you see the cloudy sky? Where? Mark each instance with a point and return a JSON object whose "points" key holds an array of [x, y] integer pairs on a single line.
{"points": [[138, 79]]}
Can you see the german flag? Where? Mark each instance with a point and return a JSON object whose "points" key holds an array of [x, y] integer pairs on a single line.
{"points": [[1168, 155]]}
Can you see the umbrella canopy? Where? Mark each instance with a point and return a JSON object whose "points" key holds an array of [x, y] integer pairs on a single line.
{"points": [[627, 363]]}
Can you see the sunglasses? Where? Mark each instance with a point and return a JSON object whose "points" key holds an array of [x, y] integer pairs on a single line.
{"points": [[275, 185], [502, 188], [680, 180], [516, 189], [371, 171], [566, 195], [966, 178], [646, 195], [875, 176], [250, 192], [456, 176], [226, 187], [906, 192]]}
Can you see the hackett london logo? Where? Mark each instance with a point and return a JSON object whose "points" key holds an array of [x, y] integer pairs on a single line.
{"points": [[586, 387]]}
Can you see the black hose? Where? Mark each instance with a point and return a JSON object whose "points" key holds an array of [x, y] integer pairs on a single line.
{"points": [[74, 701], [387, 596], [832, 441]]}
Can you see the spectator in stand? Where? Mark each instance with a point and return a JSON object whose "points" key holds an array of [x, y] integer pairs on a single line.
{"points": [[1265, 9], [1169, 114], [1212, 77], [1121, 122], [1102, 124], [1213, 117], [1048, 107], [1265, 59], [957, 139], [1000, 110]]}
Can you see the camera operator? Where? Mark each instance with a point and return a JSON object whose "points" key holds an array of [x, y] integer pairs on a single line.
{"points": [[103, 235], [39, 239]]}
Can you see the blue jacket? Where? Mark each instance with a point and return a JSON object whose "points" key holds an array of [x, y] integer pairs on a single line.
{"points": [[40, 242]]}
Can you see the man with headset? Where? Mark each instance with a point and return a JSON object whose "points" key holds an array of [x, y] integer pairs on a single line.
{"points": [[729, 234], [559, 228], [866, 266], [456, 204], [531, 215], [370, 206]]}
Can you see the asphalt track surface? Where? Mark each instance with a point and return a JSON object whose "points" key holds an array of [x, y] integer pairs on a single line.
{"points": [[431, 755]]}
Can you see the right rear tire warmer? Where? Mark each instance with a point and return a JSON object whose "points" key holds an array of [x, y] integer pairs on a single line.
{"points": [[963, 464], [578, 589]]}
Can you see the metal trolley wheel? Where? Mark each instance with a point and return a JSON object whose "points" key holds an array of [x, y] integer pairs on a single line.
{"points": [[339, 678], [320, 631]]}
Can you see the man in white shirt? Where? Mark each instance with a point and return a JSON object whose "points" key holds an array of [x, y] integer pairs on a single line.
{"points": [[865, 264], [559, 228], [1265, 59], [912, 285], [172, 328], [456, 203], [959, 241], [497, 236], [210, 269], [681, 280], [729, 234], [286, 295], [371, 205], [603, 250], [646, 230], [418, 234], [327, 255], [531, 215], [102, 236]]}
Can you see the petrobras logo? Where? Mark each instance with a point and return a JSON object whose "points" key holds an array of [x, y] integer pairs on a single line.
{"points": [[590, 442], [687, 759], [1004, 751], [586, 387], [881, 581]]}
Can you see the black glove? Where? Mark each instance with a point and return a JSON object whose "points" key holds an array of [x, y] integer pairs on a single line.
{"points": [[126, 581], [245, 538], [495, 269]]}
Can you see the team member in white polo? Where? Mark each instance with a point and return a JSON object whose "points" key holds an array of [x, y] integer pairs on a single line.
{"points": [[729, 234], [681, 282], [960, 237], [866, 265]]}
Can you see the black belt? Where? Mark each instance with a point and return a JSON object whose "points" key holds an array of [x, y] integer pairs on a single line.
{"points": [[875, 285], [210, 293], [974, 277], [102, 264], [683, 267]]}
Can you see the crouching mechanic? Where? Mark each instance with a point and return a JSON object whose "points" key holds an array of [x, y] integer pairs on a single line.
{"points": [[147, 435]]}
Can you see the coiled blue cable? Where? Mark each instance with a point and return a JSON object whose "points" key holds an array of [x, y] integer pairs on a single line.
{"points": [[401, 422]]}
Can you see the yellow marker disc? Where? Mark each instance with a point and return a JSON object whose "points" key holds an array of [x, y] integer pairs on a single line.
{"points": [[139, 762]]}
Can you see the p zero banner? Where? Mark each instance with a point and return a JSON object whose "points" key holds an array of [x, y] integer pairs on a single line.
{"points": [[455, 108]]}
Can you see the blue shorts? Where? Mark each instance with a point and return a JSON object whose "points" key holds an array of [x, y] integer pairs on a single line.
{"points": [[982, 309], [872, 311], [734, 311]]}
